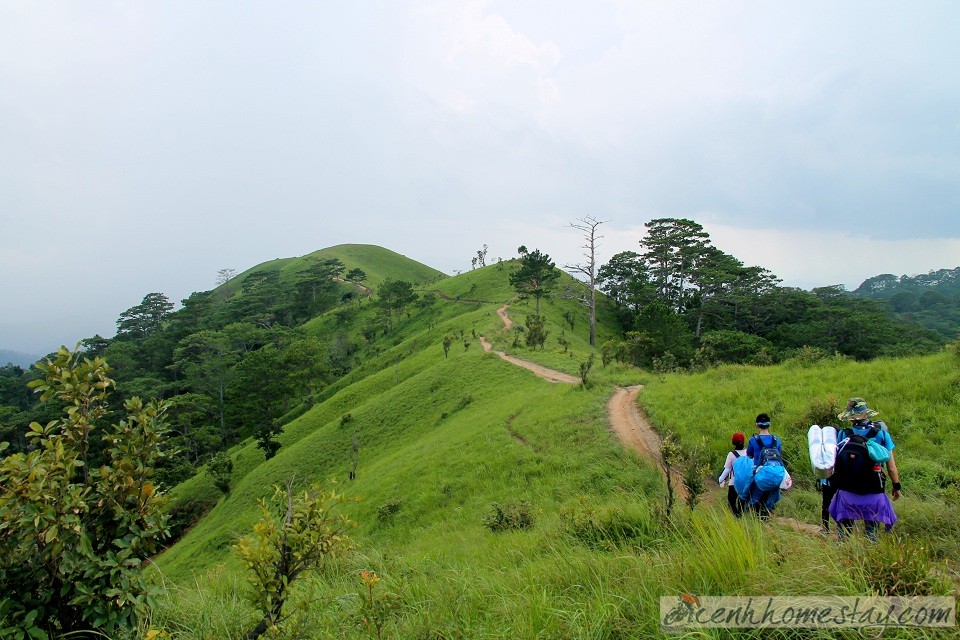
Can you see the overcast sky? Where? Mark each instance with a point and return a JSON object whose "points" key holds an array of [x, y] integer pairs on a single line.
{"points": [[144, 145]]}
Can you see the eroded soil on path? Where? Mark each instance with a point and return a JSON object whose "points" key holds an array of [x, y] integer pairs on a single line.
{"points": [[547, 374], [628, 423]]}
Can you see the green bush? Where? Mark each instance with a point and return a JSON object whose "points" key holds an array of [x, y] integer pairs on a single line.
{"points": [[610, 527], [74, 533], [294, 535], [509, 516], [898, 566], [388, 509]]}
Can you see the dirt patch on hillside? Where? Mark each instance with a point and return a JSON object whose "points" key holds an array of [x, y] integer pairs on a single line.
{"points": [[502, 312], [630, 426], [633, 429], [547, 374]]}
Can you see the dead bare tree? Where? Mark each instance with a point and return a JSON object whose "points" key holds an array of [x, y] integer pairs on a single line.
{"points": [[588, 225]]}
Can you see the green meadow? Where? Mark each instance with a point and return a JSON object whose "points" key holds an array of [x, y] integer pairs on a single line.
{"points": [[446, 443]]}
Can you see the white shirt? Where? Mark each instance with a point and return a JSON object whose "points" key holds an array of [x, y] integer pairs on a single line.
{"points": [[728, 468]]}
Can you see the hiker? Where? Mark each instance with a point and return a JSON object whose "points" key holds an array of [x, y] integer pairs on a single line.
{"points": [[858, 480], [766, 451], [736, 504]]}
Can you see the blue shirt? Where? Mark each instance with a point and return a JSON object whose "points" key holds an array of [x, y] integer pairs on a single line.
{"points": [[769, 440], [882, 437]]}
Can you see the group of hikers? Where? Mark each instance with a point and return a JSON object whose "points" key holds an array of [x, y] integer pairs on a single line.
{"points": [[852, 464]]}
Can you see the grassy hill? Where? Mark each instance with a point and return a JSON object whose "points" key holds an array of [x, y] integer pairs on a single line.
{"points": [[443, 438], [377, 262]]}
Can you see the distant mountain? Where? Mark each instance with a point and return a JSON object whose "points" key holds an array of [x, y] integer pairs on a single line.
{"points": [[15, 357], [931, 300], [885, 286]]}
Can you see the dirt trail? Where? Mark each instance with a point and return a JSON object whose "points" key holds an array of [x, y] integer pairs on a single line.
{"points": [[502, 312], [545, 373], [634, 431], [629, 424]]}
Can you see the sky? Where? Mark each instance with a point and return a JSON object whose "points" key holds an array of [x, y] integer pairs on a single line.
{"points": [[145, 145]]}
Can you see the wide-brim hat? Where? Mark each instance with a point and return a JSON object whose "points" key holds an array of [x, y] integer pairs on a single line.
{"points": [[857, 409]]}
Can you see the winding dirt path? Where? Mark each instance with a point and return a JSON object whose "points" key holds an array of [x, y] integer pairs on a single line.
{"points": [[502, 312], [630, 426], [634, 431], [547, 374]]}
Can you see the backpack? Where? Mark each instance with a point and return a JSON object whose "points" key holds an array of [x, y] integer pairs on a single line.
{"points": [[770, 472], [878, 452], [743, 476], [769, 476], [769, 454], [855, 471]]}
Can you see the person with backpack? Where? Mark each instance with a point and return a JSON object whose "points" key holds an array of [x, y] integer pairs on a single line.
{"points": [[859, 482], [766, 451], [736, 504]]}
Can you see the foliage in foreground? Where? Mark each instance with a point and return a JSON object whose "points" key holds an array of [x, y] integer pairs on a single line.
{"points": [[294, 535], [73, 538]]}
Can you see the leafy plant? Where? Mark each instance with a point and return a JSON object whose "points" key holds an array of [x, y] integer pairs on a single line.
{"points": [[73, 538], [375, 608], [585, 369], [536, 331], [895, 566], [388, 509], [448, 339], [610, 527], [221, 468], [509, 516], [294, 535], [821, 412]]}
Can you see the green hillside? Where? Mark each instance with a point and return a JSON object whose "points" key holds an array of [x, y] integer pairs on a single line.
{"points": [[442, 438], [379, 263]]}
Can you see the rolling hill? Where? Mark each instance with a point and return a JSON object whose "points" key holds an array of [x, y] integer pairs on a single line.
{"points": [[445, 442]]}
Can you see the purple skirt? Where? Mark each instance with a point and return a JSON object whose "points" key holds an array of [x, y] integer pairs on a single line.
{"points": [[874, 507]]}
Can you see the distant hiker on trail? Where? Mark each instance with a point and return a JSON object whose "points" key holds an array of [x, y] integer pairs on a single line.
{"points": [[763, 468], [858, 478], [736, 504]]}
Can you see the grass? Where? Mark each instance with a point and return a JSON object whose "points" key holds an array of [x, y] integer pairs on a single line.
{"points": [[443, 438]]}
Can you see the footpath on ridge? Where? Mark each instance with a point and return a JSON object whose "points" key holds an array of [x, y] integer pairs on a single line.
{"points": [[630, 426], [626, 420]]}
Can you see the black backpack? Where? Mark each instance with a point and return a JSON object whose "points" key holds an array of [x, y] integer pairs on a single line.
{"points": [[855, 471], [768, 453]]}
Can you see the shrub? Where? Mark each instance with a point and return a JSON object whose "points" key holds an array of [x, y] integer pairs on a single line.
{"points": [[585, 369], [610, 527], [536, 331], [220, 469], [293, 536], [821, 412], [388, 509], [510, 516], [74, 535], [896, 566]]}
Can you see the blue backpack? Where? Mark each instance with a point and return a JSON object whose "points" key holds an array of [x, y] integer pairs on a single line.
{"points": [[743, 476], [771, 471], [769, 476]]}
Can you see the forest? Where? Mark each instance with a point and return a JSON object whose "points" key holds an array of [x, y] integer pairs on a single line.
{"points": [[235, 362]]}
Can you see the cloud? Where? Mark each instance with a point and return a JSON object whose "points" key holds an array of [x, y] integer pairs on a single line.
{"points": [[809, 258], [146, 146]]}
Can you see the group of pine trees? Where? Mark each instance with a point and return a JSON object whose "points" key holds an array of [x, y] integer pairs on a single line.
{"points": [[231, 361]]}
